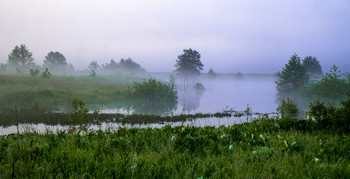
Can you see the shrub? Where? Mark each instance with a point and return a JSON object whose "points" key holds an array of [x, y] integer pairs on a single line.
{"points": [[331, 86], [287, 108], [80, 114], [34, 72], [46, 74], [330, 116], [151, 96]]}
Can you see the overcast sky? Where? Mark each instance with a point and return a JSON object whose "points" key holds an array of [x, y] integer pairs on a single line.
{"points": [[250, 36]]}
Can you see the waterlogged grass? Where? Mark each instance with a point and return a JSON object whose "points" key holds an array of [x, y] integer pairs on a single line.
{"points": [[259, 149]]}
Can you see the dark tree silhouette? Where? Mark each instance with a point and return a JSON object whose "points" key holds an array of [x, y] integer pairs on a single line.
{"points": [[20, 58], [312, 66], [189, 63], [55, 61], [292, 77]]}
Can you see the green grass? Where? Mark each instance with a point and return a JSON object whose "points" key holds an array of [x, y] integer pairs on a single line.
{"points": [[261, 149], [58, 91]]}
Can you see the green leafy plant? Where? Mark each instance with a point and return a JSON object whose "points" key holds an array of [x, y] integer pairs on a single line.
{"points": [[287, 108], [330, 116], [331, 86], [80, 113], [152, 95], [46, 74], [292, 77]]}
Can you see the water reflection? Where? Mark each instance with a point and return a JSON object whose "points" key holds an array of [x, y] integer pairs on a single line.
{"points": [[189, 99], [220, 93], [199, 122]]}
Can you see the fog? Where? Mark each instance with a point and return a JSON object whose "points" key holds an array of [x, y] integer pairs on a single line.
{"points": [[247, 36]]}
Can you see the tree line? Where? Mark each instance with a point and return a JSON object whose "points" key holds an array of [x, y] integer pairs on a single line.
{"points": [[303, 81], [21, 60]]}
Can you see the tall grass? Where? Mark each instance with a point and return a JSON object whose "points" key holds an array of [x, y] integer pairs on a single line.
{"points": [[261, 149], [58, 91]]}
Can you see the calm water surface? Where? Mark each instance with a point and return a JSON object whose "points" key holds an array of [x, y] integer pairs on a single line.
{"points": [[219, 94]]}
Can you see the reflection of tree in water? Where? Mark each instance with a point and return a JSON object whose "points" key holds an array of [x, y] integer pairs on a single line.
{"points": [[189, 98]]}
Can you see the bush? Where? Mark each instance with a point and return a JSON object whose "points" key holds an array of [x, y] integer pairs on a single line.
{"points": [[80, 114], [34, 72], [331, 86], [330, 116], [152, 96], [287, 108]]}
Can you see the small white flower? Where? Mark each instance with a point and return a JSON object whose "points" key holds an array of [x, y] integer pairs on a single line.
{"points": [[262, 137]]}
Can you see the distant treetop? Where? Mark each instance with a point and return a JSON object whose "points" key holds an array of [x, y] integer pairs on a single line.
{"points": [[189, 63], [55, 60], [21, 58]]}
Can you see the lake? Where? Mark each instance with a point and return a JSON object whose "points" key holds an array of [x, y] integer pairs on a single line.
{"points": [[222, 93]]}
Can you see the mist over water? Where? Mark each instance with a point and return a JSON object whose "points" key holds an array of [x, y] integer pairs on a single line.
{"points": [[259, 94], [224, 93], [221, 93]]}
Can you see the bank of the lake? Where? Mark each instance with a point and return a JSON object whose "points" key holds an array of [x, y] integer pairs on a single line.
{"points": [[283, 148]]}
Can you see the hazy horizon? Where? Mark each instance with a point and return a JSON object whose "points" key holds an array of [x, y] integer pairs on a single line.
{"points": [[242, 36]]}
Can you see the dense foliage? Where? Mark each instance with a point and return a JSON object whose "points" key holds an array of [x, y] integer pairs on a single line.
{"points": [[292, 77], [125, 66], [55, 61], [152, 97], [330, 116], [189, 64], [312, 67], [331, 87], [287, 108], [20, 58]]}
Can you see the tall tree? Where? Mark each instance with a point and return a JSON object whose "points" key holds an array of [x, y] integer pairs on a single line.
{"points": [[20, 58], [312, 66], [189, 64], [55, 61], [292, 77], [331, 87]]}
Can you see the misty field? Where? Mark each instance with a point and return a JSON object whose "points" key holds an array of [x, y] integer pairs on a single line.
{"points": [[60, 90]]}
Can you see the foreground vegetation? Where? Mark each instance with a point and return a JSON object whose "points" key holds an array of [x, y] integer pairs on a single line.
{"points": [[283, 148]]}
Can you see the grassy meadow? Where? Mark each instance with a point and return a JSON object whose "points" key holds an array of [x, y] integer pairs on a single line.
{"points": [[265, 148]]}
